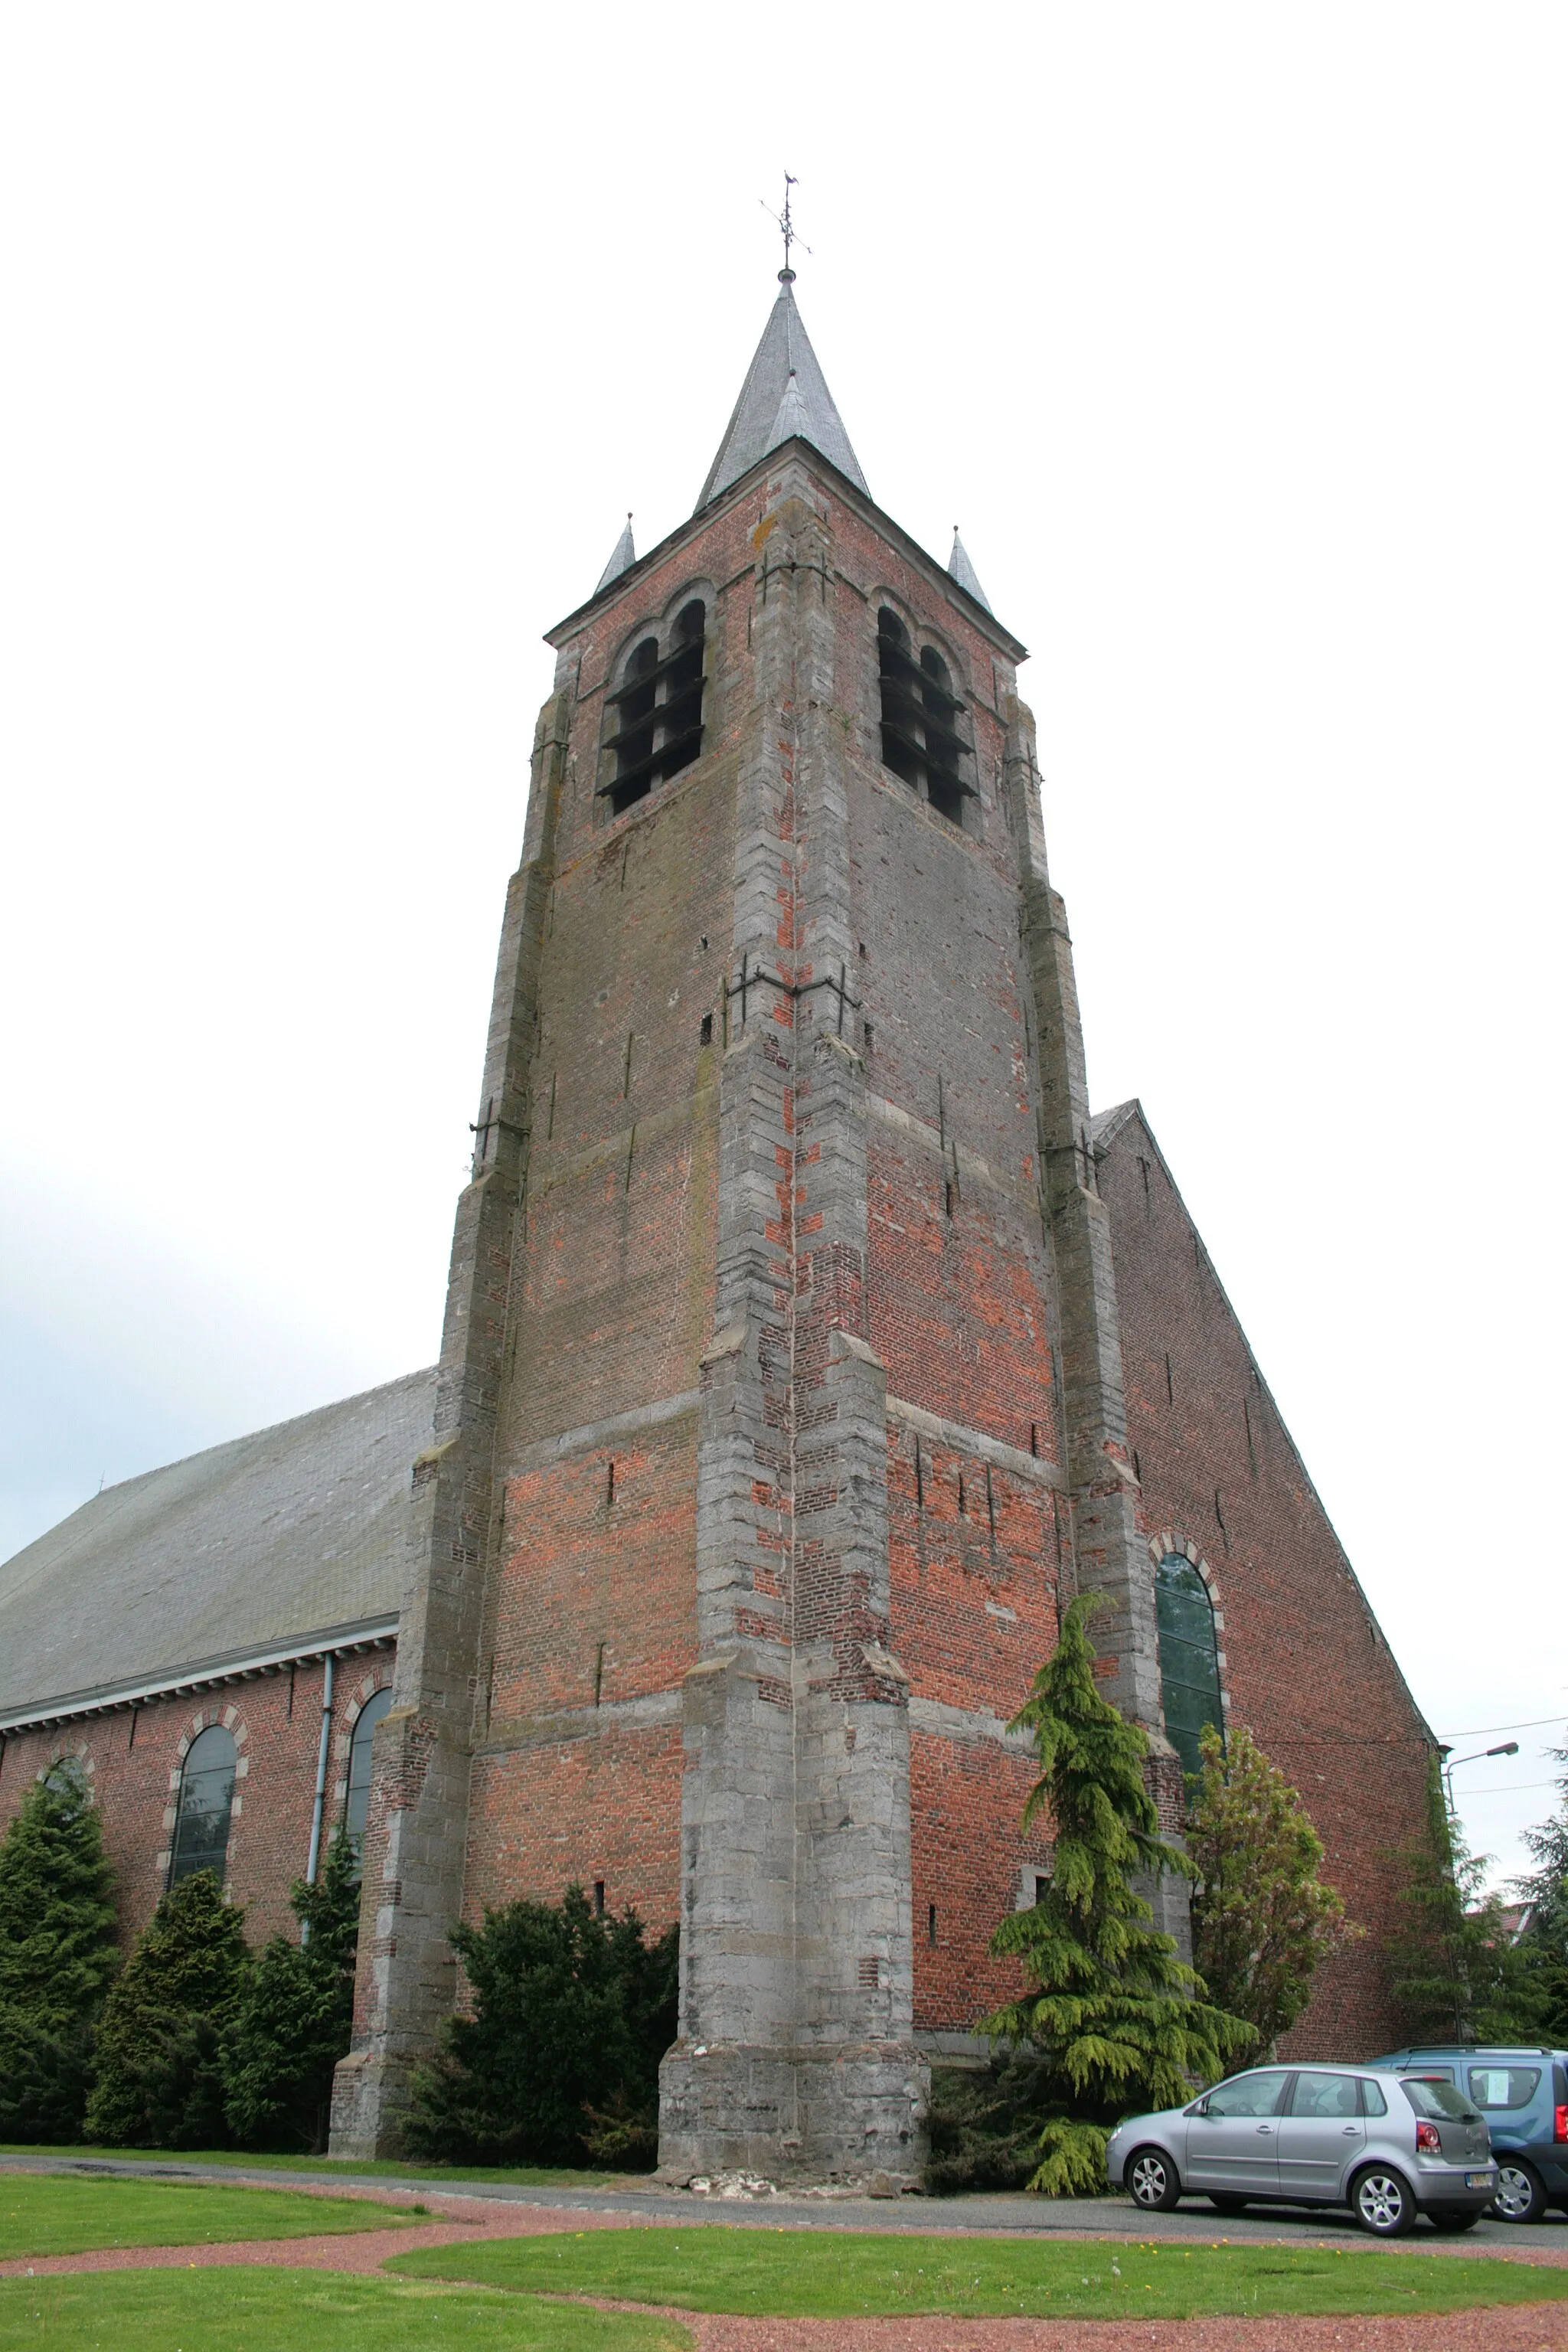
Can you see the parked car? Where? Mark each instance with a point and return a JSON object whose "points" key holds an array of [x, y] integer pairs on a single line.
{"points": [[1524, 2094], [1316, 2135]]}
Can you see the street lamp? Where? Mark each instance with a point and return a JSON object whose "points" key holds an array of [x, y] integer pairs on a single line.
{"points": [[1508, 1748]]}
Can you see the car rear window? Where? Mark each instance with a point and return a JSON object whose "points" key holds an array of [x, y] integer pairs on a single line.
{"points": [[1441, 2100], [1492, 2087]]}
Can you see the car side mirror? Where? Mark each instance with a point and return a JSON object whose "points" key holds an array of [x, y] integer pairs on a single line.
{"points": [[1199, 2107]]}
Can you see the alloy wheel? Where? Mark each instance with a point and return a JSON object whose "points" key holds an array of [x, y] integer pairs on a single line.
{"points": [[1151, 2181], [1383, 2203], [1519, 2194]]}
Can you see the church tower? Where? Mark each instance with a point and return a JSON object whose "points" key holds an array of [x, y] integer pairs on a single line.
{"points": [[781, 1397]]}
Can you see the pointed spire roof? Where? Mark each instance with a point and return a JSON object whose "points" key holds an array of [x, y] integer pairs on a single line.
{"points": [[624, 556], [784, 393], [961, 568]]}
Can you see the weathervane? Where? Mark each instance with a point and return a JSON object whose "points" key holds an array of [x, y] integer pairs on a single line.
{"points": [[787, 226]]}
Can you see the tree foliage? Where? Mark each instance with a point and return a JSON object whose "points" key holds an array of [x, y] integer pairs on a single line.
{"points": [[1263, 1920], [292, 2019], [1543, 1946], [57, 1955], [1457, 1973], [560, 2059], [160, 2080], [1110, 2019]]}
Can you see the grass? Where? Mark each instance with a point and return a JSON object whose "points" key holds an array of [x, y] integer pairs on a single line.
{"points": [[245, 2310], [789, 2273], [526, 2176], [61, 2214]]}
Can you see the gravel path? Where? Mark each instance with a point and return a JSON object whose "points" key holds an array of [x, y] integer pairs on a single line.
{"points": [[1529, 2327]]}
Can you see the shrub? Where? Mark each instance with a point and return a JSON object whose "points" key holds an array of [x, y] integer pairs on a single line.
{"points": [[292, 2020], [1110, 2021], [160, 2082], [560, 2059], [57, 1955]]}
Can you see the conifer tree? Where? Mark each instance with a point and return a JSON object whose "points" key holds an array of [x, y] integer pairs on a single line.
{"points": [[58, 1955], [160, 2082], [1111, 2020], [1263, 1920], [1457, 1975], [291, 2022], [560, 2059], [1543, 1946]]}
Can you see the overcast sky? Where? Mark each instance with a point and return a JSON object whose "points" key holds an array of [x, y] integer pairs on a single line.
{"points": [[340, 340]]}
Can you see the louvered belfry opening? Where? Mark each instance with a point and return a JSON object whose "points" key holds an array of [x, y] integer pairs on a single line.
{"points": [[921, 741], [655, 716]]}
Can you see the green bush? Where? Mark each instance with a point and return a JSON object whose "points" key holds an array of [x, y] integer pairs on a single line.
{"points": [[159, 2070], [1111, 2019], [558, 2061], [292, 2020], [57, 1957]]}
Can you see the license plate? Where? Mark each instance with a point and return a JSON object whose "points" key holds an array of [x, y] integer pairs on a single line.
{"points": [[1477, 2181]]}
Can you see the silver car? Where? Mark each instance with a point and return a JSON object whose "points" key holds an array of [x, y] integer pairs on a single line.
{"points": [[1387, 2147]]}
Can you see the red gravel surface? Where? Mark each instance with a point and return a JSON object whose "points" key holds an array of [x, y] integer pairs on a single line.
{"points": [[1526, 2327]]}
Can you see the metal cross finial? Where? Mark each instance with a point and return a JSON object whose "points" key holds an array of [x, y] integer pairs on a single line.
{"points": [[786, 227]]}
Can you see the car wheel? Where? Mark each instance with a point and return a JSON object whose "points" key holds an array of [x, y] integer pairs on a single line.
{"points": [[1451, 2219], [1151, 2179], [1381, 2202], [1228, 2204], [1520, 2195]]}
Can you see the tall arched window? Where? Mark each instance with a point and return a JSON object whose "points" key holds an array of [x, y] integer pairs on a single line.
{"points": [[1189, 1656], [920, 715], [357, 1803], [206, 1800]]}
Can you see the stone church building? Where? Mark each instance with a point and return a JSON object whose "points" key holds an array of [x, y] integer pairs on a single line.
{"points": [[809, 1343]]}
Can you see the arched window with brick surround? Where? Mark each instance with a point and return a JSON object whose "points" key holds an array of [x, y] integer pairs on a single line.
{"points": [[921, 741], [1189, 1656], [356, 1802], [206, 1802], [655, 716]]}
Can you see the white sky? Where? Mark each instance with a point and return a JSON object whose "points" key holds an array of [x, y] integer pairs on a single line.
{"points": [[341, 338]]}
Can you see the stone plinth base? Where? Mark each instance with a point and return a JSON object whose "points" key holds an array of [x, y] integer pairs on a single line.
{"points": [[840, 2115], [370, 2101]]}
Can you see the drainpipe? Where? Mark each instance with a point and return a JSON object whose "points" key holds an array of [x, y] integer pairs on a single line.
{"points": [[321, 1757]]}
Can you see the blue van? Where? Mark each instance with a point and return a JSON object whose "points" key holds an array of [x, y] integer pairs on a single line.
{"points": [[1524, 2094]]}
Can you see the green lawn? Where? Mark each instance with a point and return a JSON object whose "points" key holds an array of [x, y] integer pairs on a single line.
{"points": [[837, 2274], [245, 2310], [66, 2213], [528, 2176]]}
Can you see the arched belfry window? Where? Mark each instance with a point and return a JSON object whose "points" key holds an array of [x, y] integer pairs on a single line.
{"points": [[356, 1804], [206, 1800], [921, 737], [655, 713], [1189, 1656]]}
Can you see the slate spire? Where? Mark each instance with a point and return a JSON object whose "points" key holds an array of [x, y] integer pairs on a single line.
{"points": [[961, 568], [624, 556], [784, 392]]}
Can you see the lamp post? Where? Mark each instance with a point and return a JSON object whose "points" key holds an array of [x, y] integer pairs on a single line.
{"points": [[1508, 1748]]}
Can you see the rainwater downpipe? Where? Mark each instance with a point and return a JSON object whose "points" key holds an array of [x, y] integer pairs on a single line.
{"points": [[319, 1810]]}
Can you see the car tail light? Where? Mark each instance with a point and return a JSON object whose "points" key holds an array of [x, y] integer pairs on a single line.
{"points": [[1561, 2133], [1428, 2140]]}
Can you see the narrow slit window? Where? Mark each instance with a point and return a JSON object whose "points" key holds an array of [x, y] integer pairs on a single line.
{"points": [[206, 1805], [656, 714]]}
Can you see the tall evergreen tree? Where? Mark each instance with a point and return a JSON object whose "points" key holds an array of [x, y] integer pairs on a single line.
{"points": [[1458, 1974], [160, 2082], [1263, 1920], [57, 1955], [1112, 2019], [292, 2020], [560, 2058], [1543, 1946]]}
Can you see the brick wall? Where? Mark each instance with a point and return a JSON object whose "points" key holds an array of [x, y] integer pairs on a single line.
{"points": [[1306, 1666], [133, 1758]]}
